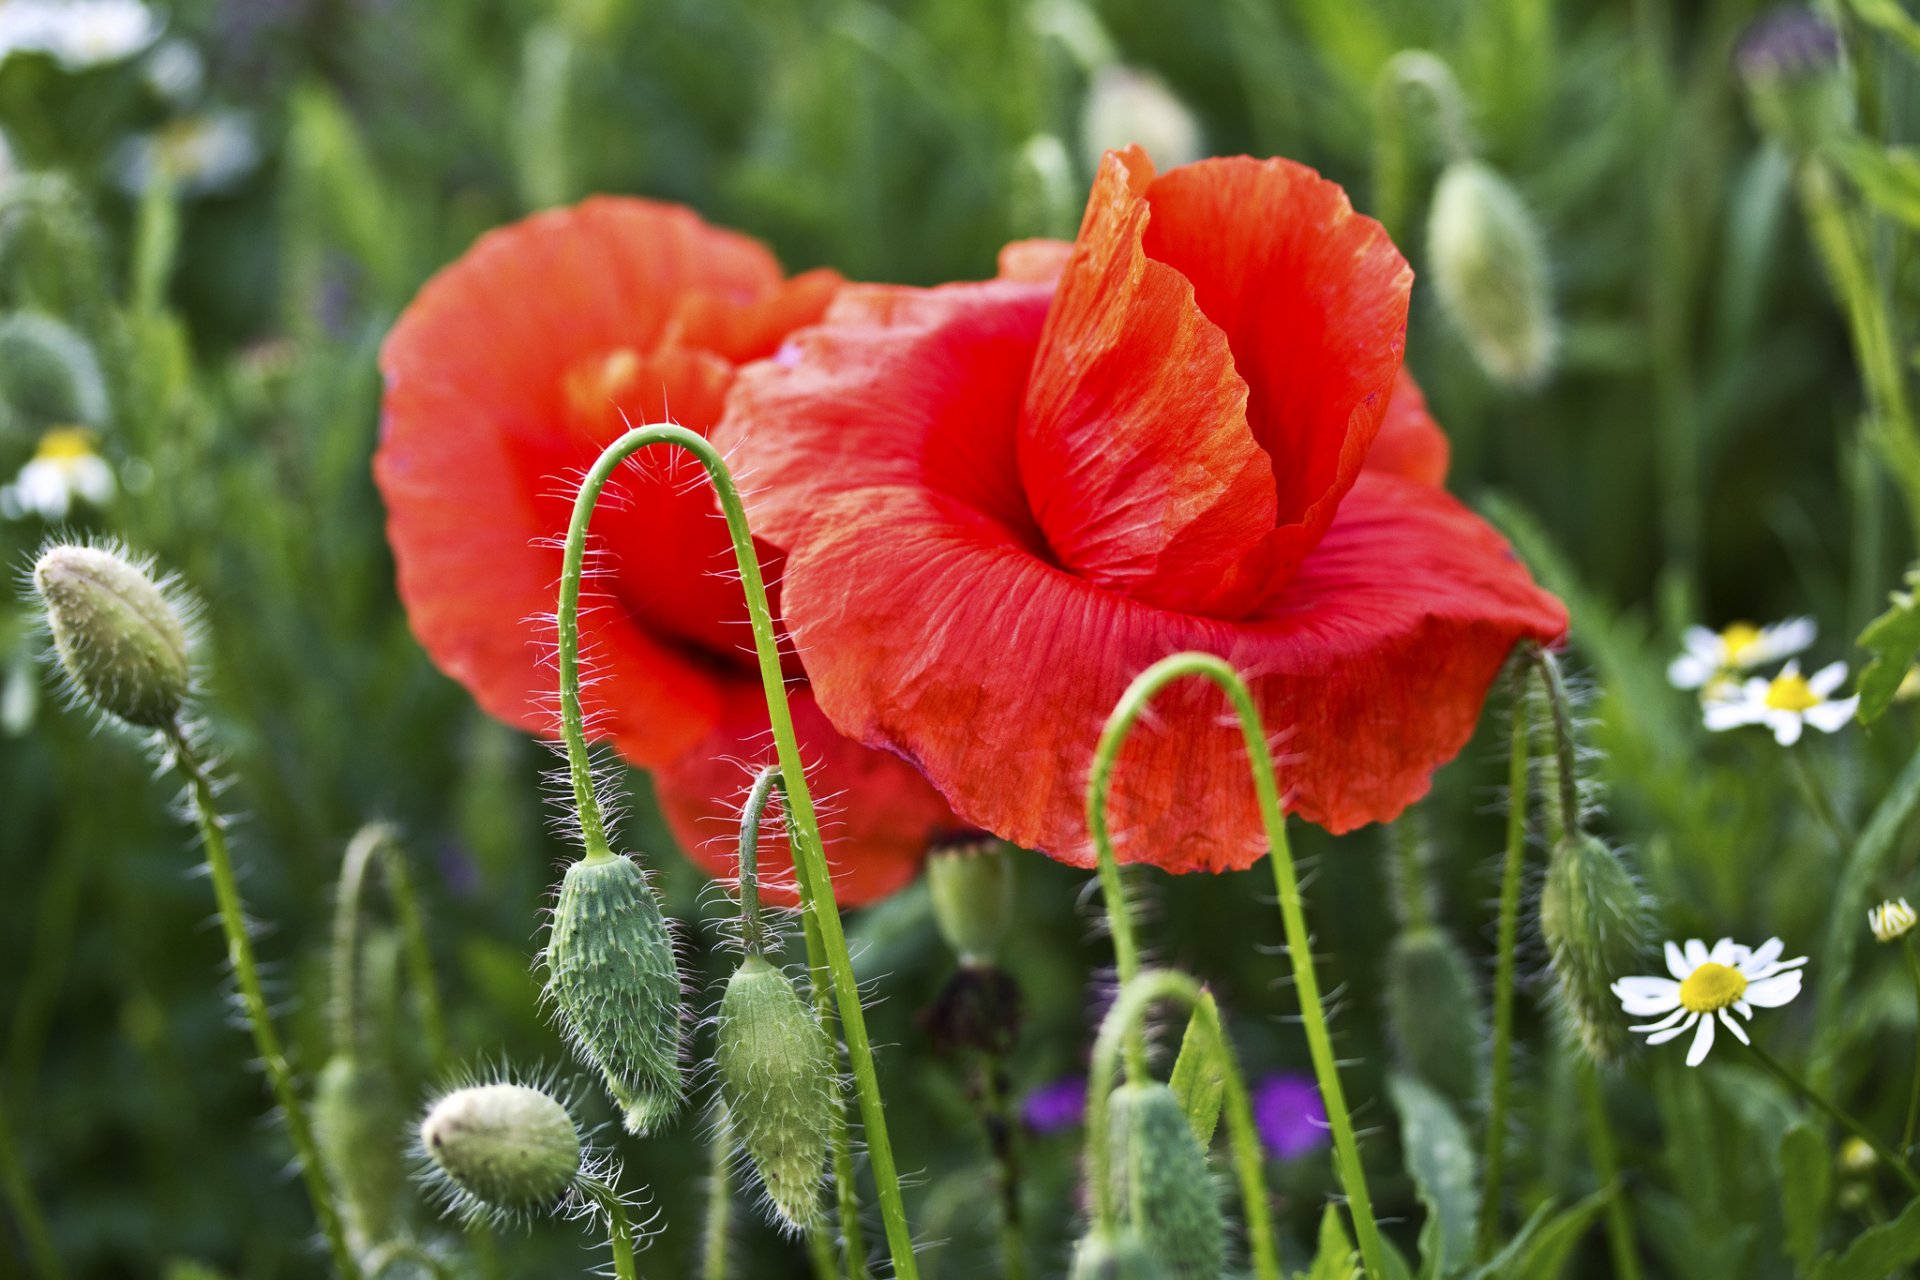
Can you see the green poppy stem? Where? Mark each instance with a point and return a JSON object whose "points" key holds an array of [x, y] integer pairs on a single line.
{"points": [[619, 1231], [1292, 908], [1913, 1097], [1606, 1167], [810, 863], [1506, 961], [718, 1231]]}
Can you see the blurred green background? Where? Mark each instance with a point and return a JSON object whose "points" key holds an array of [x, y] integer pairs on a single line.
{"points": [[1693, 457]]}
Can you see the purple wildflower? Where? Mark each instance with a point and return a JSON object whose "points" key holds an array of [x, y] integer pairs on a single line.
{"points": [[1056, 1106], [1287, 1110]]}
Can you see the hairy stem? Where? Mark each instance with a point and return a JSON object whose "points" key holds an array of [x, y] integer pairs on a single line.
{"points": [[753, 934], [1566, 754], [619, 1231], [846, 1189], [810, 862], [371, 842], [1144, 990], [717, 1234], [1506, 962], [1847, 1122], [246, 972]]}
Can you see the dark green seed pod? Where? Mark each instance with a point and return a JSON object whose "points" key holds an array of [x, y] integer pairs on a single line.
{"points": [[1490, 272], [615, 983], [359, 1122], [1161, 1176], [776, 1078], [120, 640], [1120, 1256], [1435, 1012], [1596, 925], [503, 1147], [972, 888]]}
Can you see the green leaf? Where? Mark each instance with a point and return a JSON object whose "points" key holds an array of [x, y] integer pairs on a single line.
{"points": [[1198, 1080], [1891, 20], [1887, 177], [1541, 1249], [1334, 1259], [1440, 1161], [1893, 639], [1806, 1180], [1877, 1253]]}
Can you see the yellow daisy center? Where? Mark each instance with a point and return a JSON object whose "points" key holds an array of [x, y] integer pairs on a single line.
{"points": [[1791, 692], [65, 444], [1738, 639], [1712, 987]]}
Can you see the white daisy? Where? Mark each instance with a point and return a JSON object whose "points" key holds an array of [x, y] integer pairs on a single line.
{"points": [[63, 469], [1715, 655], [1786, 704], [196, 155], [1892, 921], [1709, 985], [77, 33]]}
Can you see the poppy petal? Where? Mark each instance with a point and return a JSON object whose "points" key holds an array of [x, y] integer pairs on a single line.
{"points": [[754, 329], [877, 813], [1410, 442], [1035, 261], [1372, 665]]}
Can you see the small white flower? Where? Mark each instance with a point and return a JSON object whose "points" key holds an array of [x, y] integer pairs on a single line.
{"points": [[1786, 704], [197, 154], [1714, 655], [77, 33], [176, 71], [1709, 985], [1892, 921], [1126, 106], [65, 468]]}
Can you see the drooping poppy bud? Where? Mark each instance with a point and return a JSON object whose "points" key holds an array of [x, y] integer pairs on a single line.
{"points": [[505, 1149], [120, 639], [1435, 1012], [776, 1077], [972, 886], [1595, 921], [1490, 272], [615, 983], [1794, 68], [357, 1120], [1161, 1176]]}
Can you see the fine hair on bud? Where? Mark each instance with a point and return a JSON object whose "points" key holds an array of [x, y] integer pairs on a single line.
{"points": [[971, 884], [121, 639], [615, 984], [1120, 1255], [1597, 928], [1489, 266], [1161, 1177], [502, 1151], [358, 1122], [1435, 1013], [776, 1074]]}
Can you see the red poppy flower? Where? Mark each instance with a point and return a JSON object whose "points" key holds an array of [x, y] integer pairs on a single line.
{"points": [[506, 377], [1001, 501]]}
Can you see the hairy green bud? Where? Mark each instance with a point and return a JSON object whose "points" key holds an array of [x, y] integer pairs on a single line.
{"points": [[1597, 929], [1435, 1012], [615, 983], [1490, 272], [358, 1122], [1120, 1256], [972, 888], [776, 1077], [503, 1147], [1160, 1174], [120, 640]]}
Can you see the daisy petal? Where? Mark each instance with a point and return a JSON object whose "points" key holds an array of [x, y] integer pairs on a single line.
{"points": [[1739, 1032], [1786, 727], [1702, 1042], [1783, 639], [1677, 1015], [1832, 717], [1676, 963], [1760, 957], [1720, 715], [1771, 993], [1661, 1037], [1726, 951], [1688, 672], [1696, 953], [1828, 678]]}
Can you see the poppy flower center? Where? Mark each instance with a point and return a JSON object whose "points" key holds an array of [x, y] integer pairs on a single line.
{"points": [[1712, 987], [1791, 692]]}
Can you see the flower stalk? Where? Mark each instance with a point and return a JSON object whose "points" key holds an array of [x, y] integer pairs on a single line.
{"points": [[1913, 1097], [1847, 1122], [1506, 961], [619, 1230]]}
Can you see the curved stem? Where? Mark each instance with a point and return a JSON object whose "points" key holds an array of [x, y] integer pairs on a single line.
{"points": [[246, 974], [1847, 1122], [1913, 1098], [345, 1010], [1566, 758], [810, 863], [1136, 998], [413, 929], [1292, 913], [1606, 1167], [752, 931], [619, 1232], [1820, 800], [1113, 888], [1506, 962]]}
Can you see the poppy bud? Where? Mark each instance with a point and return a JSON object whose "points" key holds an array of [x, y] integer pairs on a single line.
{"points": [[972, 886], [1594, 918], [502, 1148], [1160, 1174], [615, 983], [1794, 69], [1435, 1013], [358, 1120], [1490, 272], [1120, 1256], [776, 1078], [1126, 106], [121, 641]]}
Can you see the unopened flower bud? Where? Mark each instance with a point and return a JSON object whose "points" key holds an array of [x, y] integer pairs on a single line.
{"points": [[1127, 106], [972, 886], [1855, 1159], [1160, 1175], [1892, 921], [1595, 921], [1490, 272], [615, 983], [1435, 1013], [49, 375], [1794, 69], [1119, 1256], [121, 641], [776, 1077], [505, 1148], [358, 1121]]}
